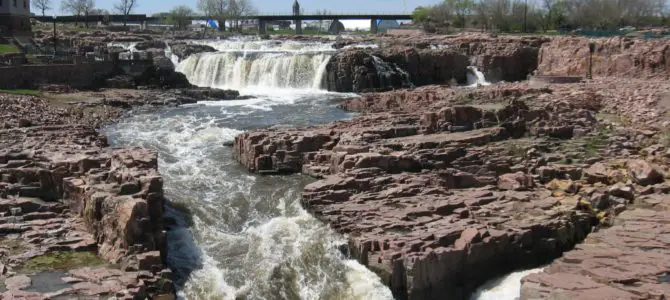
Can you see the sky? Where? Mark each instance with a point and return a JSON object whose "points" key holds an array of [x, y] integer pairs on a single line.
{"points": [[276, 6]]}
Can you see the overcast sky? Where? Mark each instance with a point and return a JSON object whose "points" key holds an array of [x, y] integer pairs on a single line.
{"points": [[276, 6]]}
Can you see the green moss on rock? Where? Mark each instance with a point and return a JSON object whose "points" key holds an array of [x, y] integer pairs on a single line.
{"points": [[61, 261]]}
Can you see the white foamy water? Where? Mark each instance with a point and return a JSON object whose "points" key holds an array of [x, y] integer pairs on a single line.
{"points": [[504, 288], [241, 64], [249, 236], [476, 78]]}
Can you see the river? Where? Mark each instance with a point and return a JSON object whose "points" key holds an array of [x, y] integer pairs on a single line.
{"points": [[234, 234]]}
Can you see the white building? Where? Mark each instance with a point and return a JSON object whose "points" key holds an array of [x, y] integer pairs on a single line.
{"points": [[15, 18]]}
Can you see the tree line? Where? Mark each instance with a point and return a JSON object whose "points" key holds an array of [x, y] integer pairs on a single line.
{"points": [[232, 11], [220, 10], [542, 15]]}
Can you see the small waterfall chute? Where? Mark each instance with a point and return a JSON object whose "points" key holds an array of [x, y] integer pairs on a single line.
{"points": [[389, 73], [476, 78]]}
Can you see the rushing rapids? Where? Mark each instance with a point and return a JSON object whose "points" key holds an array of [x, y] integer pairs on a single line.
{"points": [[248, 236], [241, 235]]}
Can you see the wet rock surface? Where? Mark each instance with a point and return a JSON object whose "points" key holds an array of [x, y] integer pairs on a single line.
{"points": [[440, 189]]}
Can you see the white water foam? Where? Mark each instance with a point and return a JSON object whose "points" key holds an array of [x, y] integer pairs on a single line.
{"points": [[476, 78], [257, 241], [234, 70], [504, 288]]}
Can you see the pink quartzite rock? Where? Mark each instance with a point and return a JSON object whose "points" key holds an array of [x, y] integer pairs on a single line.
{"points": [[643, 173], [515, 182]]}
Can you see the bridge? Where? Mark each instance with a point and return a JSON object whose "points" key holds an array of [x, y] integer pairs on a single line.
{"points": [[262, 19]]}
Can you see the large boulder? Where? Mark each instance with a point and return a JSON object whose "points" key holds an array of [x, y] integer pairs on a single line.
{"points": [[643, 173], [157, 44], [358, 71], [184, 50], [515, 182]]}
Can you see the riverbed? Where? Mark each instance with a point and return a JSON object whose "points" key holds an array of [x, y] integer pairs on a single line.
{"points": [[231, 233]]}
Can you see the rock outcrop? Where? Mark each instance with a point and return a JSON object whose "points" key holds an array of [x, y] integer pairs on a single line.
{"points": [[438, 195], [628, 260], [426, 66], [66, 198], [358, 71], [619, 57], [184, 50], [428, 61]]}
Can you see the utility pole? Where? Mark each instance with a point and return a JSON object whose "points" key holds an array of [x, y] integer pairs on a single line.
{"points": [[592, 49], [525, 16]]}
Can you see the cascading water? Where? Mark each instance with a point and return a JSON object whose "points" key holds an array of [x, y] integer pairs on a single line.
{"points": [[476, 78], [504, 288], [387, 71], [248, 237], [259, 64], [173, 57]]}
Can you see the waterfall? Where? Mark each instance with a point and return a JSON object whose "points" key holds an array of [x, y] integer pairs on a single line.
{"points": [[168, 53], [504, 288], [259, 64], [476, 78]]}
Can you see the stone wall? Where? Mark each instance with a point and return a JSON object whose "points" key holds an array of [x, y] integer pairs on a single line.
{"points": [[14, 25], [76, 75]]}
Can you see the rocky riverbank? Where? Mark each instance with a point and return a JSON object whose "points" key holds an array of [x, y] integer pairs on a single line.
{"points": [[440, 189], [78, 219]]}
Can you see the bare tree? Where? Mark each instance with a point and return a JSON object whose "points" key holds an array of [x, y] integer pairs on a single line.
{"points": [[125, 7], [179, 16], [78, 7], [42, 5], [462, 9], [237, 9]]}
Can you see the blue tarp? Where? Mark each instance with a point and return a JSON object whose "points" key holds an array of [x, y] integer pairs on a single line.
{"points": [[213, 23]]}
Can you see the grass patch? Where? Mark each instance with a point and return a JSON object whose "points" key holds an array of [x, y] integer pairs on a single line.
{"points": [[612, 118], [23, 92], [594, 144], [62, 261], [8, 48]]}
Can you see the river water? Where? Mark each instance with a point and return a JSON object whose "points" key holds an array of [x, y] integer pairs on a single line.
{"points": [[236, 235], [248, 236]]}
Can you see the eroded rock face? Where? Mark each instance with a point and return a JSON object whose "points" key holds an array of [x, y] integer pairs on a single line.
{"points": [[619, 57], [358, 71], [426, 66], [61, 190], [433, 195], [627, 261], [184, 50]]}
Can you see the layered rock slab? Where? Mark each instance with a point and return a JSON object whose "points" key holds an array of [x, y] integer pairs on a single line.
{"points": [[630, 260], [432, 200]]}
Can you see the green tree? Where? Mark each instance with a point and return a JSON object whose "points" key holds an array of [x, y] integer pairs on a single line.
{"points": [[420, 14]]}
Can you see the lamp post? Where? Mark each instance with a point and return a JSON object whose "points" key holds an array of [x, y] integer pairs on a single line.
{"points": [[592, 49], [55, 40]]}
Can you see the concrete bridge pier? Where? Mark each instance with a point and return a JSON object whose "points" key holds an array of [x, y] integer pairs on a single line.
{"points": [[335, 27], [262, 27], [374, 29], [298, 26]]}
